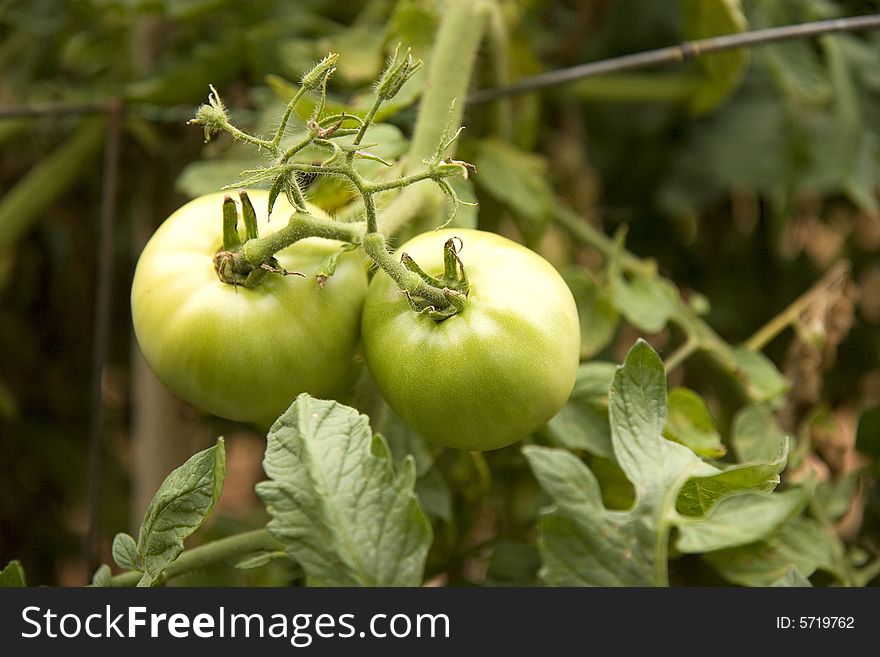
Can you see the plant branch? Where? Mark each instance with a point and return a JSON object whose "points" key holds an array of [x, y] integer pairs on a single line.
{"points": [[833, 278], [209, 554], [449, 75], [675, 54], [699, 333]]}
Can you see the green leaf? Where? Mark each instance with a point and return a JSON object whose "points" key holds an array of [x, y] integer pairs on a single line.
{"points": [[836, 496], [434, 495], [581, 543], [360, 53], [722, 72], [179, 507], [645, 301], [103, 576], [689, 422], [637, 410], [12, 576], [125, 551], [26, 201], [340, 510], [594, 380], [515, 179], [513, 564], [700, 494], [761, 378], [756, 436], [843, 152], [792, 577], [598, 315], [798, 70], [582, 423], [209, 176], [801, 544], [739, 520]]}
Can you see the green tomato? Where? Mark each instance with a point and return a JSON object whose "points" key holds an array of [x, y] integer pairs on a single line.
{"points": [[241, 353], [491, 374]]}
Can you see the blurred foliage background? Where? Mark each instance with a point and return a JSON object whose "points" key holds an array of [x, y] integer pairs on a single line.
{"points": [[745, 177]]}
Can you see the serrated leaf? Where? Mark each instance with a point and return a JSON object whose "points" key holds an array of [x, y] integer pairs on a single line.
{"points": [[581, 543], [689, 422], [12, 576], [762, 380], [739, 520], [645, 301], [103, 576], [514, 178], [756, 436], [179, 507], [125, 551], [598, 315], [801, 543], [347, 516], [700, 494], [722, 71], [637, 410]]}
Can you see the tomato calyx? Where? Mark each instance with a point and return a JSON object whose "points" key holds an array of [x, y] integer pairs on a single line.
{"points": [[230, 263], [453, 284]]}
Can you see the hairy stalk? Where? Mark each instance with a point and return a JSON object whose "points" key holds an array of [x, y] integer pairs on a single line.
{"points": [[701, 336], [209, 554], [449, 75], [499, 51], [410, 282]]}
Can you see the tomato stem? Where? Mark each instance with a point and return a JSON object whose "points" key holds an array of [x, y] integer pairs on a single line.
{"points": [[209, 554], [408, 281], [449, 74]]}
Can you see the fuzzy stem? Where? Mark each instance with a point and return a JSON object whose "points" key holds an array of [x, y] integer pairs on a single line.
{"points": [[372, 188], [409, 281], [449, 75], [282, 127], [209, 554], [499, 50], [300, 226]]}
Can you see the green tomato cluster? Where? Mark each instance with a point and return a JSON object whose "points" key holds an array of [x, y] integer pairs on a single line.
{"points": [[479, 380]]}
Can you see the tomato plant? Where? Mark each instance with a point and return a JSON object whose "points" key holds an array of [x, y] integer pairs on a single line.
{"points": [[490, 374], [451, 409], [238, 352]]}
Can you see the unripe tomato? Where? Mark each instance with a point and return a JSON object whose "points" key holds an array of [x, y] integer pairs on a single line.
{"points": [[491, 374], [244, 353]]}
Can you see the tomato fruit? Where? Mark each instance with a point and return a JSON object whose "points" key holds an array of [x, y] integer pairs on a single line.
{"points": [[491, 374], [244, 353]]}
